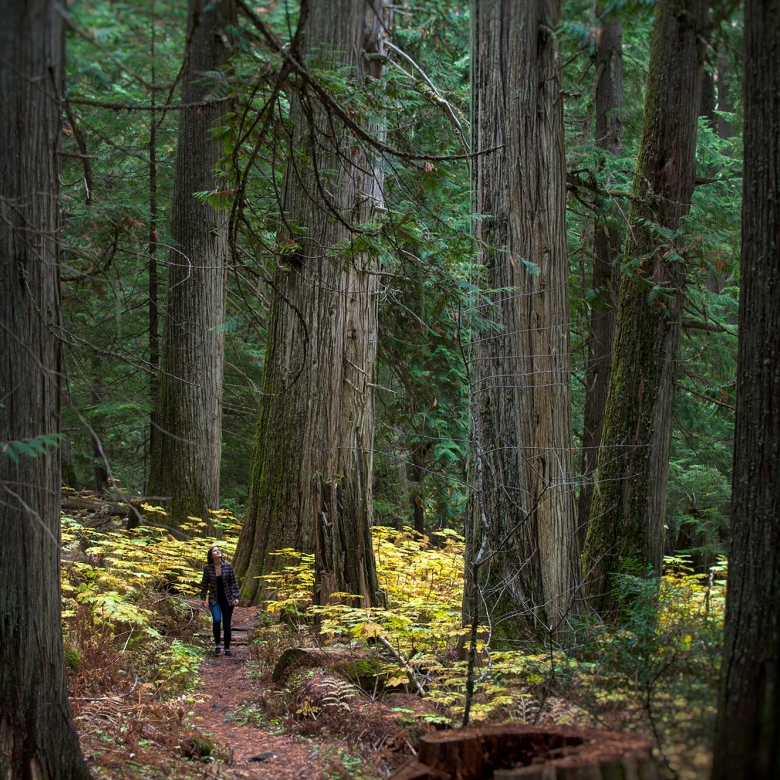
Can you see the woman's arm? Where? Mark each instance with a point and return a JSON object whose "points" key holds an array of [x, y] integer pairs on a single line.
{"points": [[233, 582], [204, 584]]}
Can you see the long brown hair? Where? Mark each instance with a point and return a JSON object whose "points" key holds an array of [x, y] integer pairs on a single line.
{"points": [[210, 557]]}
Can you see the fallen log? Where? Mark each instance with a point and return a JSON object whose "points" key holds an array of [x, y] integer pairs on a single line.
{"points": [[530, 753], [289, 657], [96, 505], [129, 509]]}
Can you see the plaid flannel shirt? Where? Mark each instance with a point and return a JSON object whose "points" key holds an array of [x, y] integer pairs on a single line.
{"points": [[209, 583]]}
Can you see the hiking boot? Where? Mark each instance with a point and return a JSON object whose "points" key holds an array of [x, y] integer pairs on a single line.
{"points": [[227, 651], [217, 650]]}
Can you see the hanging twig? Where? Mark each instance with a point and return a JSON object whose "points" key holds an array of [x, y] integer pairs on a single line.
{"points": [[449, 110]]}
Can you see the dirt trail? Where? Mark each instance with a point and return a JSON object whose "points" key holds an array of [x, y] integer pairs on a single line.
{"points": [[225, 686]]}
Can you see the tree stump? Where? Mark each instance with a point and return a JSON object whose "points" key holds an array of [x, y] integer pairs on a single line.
{"points": [[530, 753]]}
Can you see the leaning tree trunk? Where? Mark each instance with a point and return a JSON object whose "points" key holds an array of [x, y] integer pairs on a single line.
{"points": [[37, 737], [521, 393], [627, 514], [607, 242], [187, 424], [310, 482], [747, 743]]}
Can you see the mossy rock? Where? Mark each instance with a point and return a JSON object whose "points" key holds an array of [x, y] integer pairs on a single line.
{"points": [[197, 747], [367, 673], [363, 670]]}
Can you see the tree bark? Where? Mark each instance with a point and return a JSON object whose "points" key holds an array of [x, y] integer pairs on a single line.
{"points": [[154, 278], [310, 483], [529, 753], [627, 514], [99, 470], [418, 460], [725, 99], [707, 99], [747, 743], [37, 737], [607, 246], [521, 393], [187, 424]]}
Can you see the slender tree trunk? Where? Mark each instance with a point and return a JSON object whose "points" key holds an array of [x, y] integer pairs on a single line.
{"points": [[607, 246], [627, 514], [187, 431], [725, 99], [419, 458], [747, 741], [99, 470], [310, 483], [707, 99], [521, 377], [37, 737], [154, 277]]}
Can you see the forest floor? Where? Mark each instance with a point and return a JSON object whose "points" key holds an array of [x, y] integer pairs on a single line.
{"points": [[240, 725], [226, 691], [229, 728], [150, 701]]}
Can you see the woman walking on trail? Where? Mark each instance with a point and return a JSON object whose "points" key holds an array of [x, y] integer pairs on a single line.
{"points": [[219, 580]]}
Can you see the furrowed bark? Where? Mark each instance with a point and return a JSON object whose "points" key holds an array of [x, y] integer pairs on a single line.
{"points": [[747, 739], [607, 247], [37, 737], [310, 483], [521, 388], [627, 514], [187, 423]]}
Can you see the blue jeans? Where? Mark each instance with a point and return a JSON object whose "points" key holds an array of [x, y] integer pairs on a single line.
{"points": [[222, 614]]}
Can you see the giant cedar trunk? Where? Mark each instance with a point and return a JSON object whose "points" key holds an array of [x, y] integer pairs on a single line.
{"points": [[627, 514], [37, 738], [607, 242], [747, 743], [521, 394], [310, 482], [187, 424]]}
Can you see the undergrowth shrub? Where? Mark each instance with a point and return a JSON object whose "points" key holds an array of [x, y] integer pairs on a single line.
{"points": [[658, 672], [655, 673]]}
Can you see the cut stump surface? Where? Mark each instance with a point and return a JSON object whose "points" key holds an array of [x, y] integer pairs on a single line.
{"points": [[530, 753]]}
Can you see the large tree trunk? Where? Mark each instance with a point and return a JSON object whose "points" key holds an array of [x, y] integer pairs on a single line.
{"points": [[747, 742], [607, 246], [627, 514], [187, 424], [521, 393], [37, 738], [310, 483]]}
